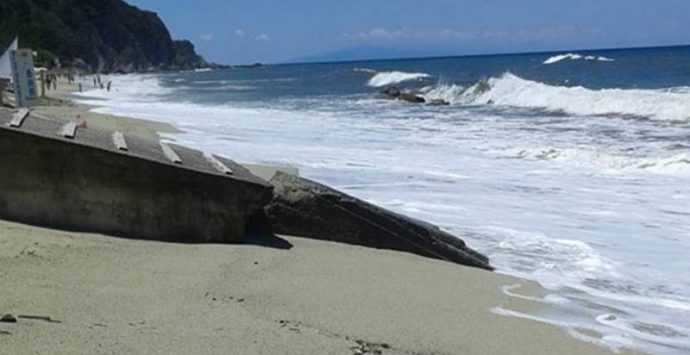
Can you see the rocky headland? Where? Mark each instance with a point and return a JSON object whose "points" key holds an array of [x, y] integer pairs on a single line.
{"points": [[95, 35]]}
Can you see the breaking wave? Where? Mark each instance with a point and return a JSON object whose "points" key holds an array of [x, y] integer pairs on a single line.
{"points": [[675, 164], [365, 70], [574, 56], [510, 90], [394, 77]]}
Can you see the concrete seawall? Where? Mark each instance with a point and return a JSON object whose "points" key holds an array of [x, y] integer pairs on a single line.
{"points": [[86, 183]]}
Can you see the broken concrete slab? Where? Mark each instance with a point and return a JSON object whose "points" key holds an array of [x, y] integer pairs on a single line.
{"points": [[88, 184], [304, 208], [267, 172]]}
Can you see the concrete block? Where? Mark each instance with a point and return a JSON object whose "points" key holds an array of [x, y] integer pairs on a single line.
{"points": [[88, 184]]}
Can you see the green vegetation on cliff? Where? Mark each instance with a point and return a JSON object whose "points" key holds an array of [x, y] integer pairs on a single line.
{"points": [[102, 35], [186, 57]]}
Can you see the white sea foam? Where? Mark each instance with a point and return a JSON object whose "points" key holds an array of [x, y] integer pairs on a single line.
{"points": [[395, 77], [555, 261], [131, 87], [446, 92], [511, 90], [365, 70], [602, 160], [574, 56], [609, 340]]}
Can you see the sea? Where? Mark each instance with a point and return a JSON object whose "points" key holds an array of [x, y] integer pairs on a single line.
{"points": [[570, 168]]}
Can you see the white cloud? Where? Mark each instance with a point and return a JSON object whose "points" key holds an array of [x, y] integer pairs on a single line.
{"points": [[206, 37], [239, 33], [262, 37]]}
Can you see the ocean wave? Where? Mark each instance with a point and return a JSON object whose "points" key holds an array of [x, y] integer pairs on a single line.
{"points": [[574, 56], [554, 262], [446, 92], [675, 164], [671, 104], [134, 87], [365, 70], [227, 87], [395, 77]]}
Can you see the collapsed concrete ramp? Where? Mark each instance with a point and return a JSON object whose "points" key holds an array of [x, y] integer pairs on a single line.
{"points": [[62, 176], [306, 208]]}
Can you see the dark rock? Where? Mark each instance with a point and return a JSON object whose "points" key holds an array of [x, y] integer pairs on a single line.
{"points": [[248, 66], [8, 318], [412, 97], [100, 35], [438, 102], [301, 207], [392, 92], [186, 57], [395, 93]]}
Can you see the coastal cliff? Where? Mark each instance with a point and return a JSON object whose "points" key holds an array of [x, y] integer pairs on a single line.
{"points": [[99, 35]]}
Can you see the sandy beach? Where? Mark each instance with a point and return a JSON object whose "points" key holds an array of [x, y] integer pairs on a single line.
{"points": [[58, 106], [78, 293]]}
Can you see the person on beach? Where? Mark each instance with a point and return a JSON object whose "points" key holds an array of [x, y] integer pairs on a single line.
{"points": [[109, 82]]}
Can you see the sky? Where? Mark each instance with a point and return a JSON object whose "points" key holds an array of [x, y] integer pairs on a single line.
{"points": [[276, 31]]}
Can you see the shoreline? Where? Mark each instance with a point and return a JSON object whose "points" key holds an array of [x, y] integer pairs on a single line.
{"points": [[61, 106], [250, 298]]}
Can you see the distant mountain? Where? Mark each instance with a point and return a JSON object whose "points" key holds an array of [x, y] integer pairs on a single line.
{"points": [[101, 35]]}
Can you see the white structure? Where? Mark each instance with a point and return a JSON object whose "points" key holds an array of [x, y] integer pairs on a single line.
{"points": [[25, 89], [5, 63]]}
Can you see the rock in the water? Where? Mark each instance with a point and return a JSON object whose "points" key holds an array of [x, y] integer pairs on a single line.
{"points": [[8, 318], [301, 207], [412, 97], [392, 92], [395, 93], [438, 102]]}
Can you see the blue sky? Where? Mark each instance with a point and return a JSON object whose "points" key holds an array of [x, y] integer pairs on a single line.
{"points": [[270, 31]]}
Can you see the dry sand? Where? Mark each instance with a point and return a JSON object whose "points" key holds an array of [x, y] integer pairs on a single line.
{"points": [[117, 296]]}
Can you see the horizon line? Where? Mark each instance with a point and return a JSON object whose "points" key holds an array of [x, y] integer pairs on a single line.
{"points": [[479, 55]]}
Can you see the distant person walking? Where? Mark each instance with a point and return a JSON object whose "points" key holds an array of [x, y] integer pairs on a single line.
{"points": [[94, 82], [109, 82], [49, 80]]}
